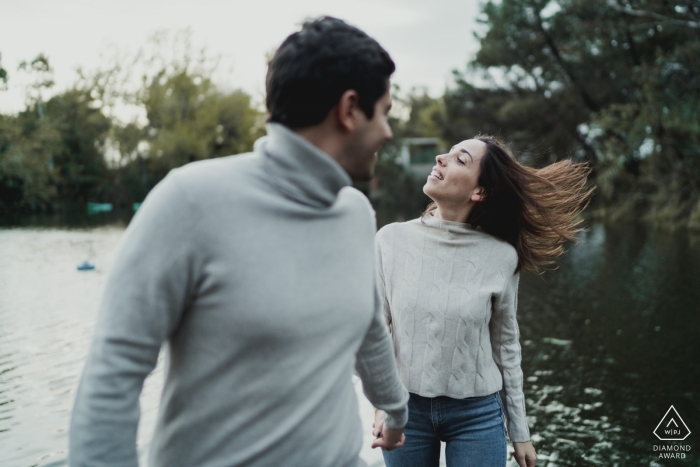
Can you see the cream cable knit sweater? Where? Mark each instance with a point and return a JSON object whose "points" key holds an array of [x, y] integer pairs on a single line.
{"points": [[450, 298]]}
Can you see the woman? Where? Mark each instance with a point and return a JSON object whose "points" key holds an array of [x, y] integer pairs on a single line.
{"points": [[449, 284]]}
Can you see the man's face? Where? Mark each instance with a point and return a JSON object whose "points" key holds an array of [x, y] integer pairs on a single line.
{"points": [[370, 136]]}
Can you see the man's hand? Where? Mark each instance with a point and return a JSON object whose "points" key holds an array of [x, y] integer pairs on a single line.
{"points": [[525, 454], [378, 424], [385, 438]]}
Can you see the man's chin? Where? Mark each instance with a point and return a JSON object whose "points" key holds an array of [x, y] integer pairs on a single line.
{"points": [[361, 176], [364, 174]]}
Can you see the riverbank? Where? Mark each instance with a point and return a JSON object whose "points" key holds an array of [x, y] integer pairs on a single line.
{"points": [[670, 214]]}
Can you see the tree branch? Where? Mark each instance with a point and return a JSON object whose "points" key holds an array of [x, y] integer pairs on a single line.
{"points": [[651, 14], [587, 99]]}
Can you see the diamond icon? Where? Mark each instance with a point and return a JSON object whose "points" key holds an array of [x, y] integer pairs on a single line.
{"points": [[672, 427]]}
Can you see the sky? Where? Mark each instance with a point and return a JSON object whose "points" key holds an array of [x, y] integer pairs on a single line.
{"points": [[426, 38]]}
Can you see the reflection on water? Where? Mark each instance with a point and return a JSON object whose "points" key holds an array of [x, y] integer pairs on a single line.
{"points": [[610, 341], [47, 313]]}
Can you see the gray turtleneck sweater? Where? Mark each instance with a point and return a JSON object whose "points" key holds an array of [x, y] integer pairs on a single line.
{"points": [[258, 273], [450, 295]]}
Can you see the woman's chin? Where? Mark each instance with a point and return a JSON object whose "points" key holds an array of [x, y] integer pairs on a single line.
{"points": [[428, 190]]}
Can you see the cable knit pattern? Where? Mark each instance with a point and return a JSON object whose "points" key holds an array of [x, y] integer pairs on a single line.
{"points": [[450, 298]]}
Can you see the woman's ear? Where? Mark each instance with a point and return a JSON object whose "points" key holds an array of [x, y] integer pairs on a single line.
{"points": [[479, 195]]}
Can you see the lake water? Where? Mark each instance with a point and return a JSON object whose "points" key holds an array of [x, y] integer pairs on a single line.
{"points": [[610, 341]]}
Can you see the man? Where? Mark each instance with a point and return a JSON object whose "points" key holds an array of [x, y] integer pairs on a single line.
{"points": [[258, 272]]}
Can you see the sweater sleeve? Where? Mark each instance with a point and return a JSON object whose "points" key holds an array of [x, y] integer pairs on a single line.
{"points": [[146, 291], [376, 364], [381, 282], [505, 343], [377, 370]]}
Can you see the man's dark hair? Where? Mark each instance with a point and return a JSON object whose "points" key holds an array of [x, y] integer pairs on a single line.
{"points": [[312, 69]]}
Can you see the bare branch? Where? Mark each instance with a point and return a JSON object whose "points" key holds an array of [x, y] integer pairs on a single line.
{"points": [[651, 14]]}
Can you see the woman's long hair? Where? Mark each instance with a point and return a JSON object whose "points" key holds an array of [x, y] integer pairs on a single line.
{"points": [[535, 210]]}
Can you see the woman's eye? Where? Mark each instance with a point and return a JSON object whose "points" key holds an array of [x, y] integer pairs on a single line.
{"points": [[460, 161]]}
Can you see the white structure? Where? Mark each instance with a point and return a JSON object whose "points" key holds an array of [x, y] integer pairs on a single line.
{"points": [[417, 155]]}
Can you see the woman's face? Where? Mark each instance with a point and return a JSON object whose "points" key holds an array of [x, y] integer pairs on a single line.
{"points": [[455, 177]]}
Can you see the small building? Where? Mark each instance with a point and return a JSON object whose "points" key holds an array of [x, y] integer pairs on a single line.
{"points": [[417, 155]]}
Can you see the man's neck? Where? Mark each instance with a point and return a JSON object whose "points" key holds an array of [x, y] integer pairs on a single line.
{"points": [[323, 138]]}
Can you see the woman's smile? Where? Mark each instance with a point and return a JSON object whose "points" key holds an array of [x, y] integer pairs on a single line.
{"points": [[436, 174]]}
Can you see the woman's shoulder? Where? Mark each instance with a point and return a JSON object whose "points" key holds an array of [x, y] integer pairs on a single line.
{"points": [[502, 252], [398, 227], [390, 231]]}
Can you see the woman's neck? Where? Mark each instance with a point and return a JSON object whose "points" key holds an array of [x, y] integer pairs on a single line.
{"points": [[453, 213]]}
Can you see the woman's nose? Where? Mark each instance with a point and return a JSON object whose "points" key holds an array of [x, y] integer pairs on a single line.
{"points": [[440, 159]]}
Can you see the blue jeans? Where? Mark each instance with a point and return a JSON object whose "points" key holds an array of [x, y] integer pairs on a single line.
{"points": [[472, 428]]}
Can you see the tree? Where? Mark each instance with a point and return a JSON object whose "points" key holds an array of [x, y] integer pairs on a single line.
{"points": [[188, 117], [614, 83], [27, 146], [73, 148], [3, 75], [81, 169], [26, 173]]}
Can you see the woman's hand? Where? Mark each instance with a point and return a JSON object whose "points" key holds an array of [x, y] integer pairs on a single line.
{"points": [[525, 454]]}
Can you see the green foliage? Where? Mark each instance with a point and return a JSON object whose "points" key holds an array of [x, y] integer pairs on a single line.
{"points": [[3, 75], [79, 157], [189, 119], [426, 116], [26, 175], [616, 83], [612, 82], [52, 155], [71, 149]]}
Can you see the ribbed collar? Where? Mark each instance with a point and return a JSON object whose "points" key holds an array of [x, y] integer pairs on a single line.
{"points": [[448, 226], [301, 170]]}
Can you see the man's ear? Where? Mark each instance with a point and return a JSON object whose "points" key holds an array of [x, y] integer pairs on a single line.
{"points": [[346, 110]]}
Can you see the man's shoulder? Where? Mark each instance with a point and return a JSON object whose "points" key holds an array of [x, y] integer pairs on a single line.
{"points": [[352, 201], [204, 172], [356, 198], [200, 182], [211, 179]]}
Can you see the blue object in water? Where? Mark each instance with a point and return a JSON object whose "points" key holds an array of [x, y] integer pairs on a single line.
{"points": [[86, 266]]}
